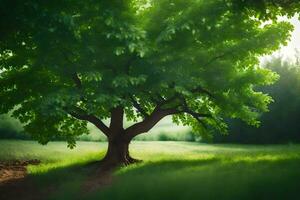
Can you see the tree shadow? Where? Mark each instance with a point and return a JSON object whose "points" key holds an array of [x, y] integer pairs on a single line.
{"points": [[207, 179], [78, 180], [203, 178], [61, 181]]}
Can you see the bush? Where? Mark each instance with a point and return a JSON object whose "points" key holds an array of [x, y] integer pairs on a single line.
{"points": [[11, 128]]}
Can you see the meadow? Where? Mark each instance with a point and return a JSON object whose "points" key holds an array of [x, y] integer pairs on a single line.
{"points": [[170, 170]]}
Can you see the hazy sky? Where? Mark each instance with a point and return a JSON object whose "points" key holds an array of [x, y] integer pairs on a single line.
{"points": [[289, 51]]}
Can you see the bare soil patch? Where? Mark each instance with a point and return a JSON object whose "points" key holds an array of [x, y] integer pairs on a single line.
{"points": [[14, 169], [15, 185], [13, 182]]}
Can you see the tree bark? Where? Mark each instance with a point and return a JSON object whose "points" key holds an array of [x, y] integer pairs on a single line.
{"points": [[119, 138], [118, 152], [118, 144]]}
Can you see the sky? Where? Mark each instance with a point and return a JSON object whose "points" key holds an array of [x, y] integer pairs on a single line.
{"points": [[289, 51]]}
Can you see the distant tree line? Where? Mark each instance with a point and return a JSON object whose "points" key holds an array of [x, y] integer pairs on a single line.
{"points": [[282, 123], [11, 128]]}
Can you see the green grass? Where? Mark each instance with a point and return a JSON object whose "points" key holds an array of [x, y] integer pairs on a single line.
{"points": [[171, 170], [53, 155]]}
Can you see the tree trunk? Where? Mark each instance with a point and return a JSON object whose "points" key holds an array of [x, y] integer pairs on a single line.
{"points": [[117, 153]]}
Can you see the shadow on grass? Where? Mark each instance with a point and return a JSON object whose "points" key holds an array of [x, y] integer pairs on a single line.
{"points": [[67, 182], [59, 183], [206, 179]]}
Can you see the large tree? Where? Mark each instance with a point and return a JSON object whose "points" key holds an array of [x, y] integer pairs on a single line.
{"points": [[65, 63]]}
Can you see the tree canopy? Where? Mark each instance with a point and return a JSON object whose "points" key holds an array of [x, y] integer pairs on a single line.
{"points": [[65, 63]]}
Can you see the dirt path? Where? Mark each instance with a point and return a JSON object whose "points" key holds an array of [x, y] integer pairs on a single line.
{"points": [[13, 184], [14, 170]]}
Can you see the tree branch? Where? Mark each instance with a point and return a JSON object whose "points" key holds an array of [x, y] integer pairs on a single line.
{"points": [[139, 108], [148, 123], [78, 84], [74, 76], [216, 58], [77, 80], [159, 112], [90, 118], [197, 116], [202, 90], [178, 95]]}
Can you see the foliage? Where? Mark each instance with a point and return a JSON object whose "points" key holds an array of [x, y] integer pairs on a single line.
{"points": [[269, 9], [281, 124], [197, 60]]}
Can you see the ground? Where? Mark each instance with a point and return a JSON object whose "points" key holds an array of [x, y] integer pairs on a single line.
{"points": [[171, 170]]}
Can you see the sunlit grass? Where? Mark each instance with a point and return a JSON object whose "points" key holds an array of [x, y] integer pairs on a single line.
{"points": [[171, 170], [57, 155], [53, 155]]}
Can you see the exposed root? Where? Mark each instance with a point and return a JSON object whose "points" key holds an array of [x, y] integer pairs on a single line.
{"points": [[131, 160]]}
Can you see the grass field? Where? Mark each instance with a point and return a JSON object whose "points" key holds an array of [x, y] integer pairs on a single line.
{"points": [[171, 170]]}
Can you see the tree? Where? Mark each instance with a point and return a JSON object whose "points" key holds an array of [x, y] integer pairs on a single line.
{"points": [[66, 63]]}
